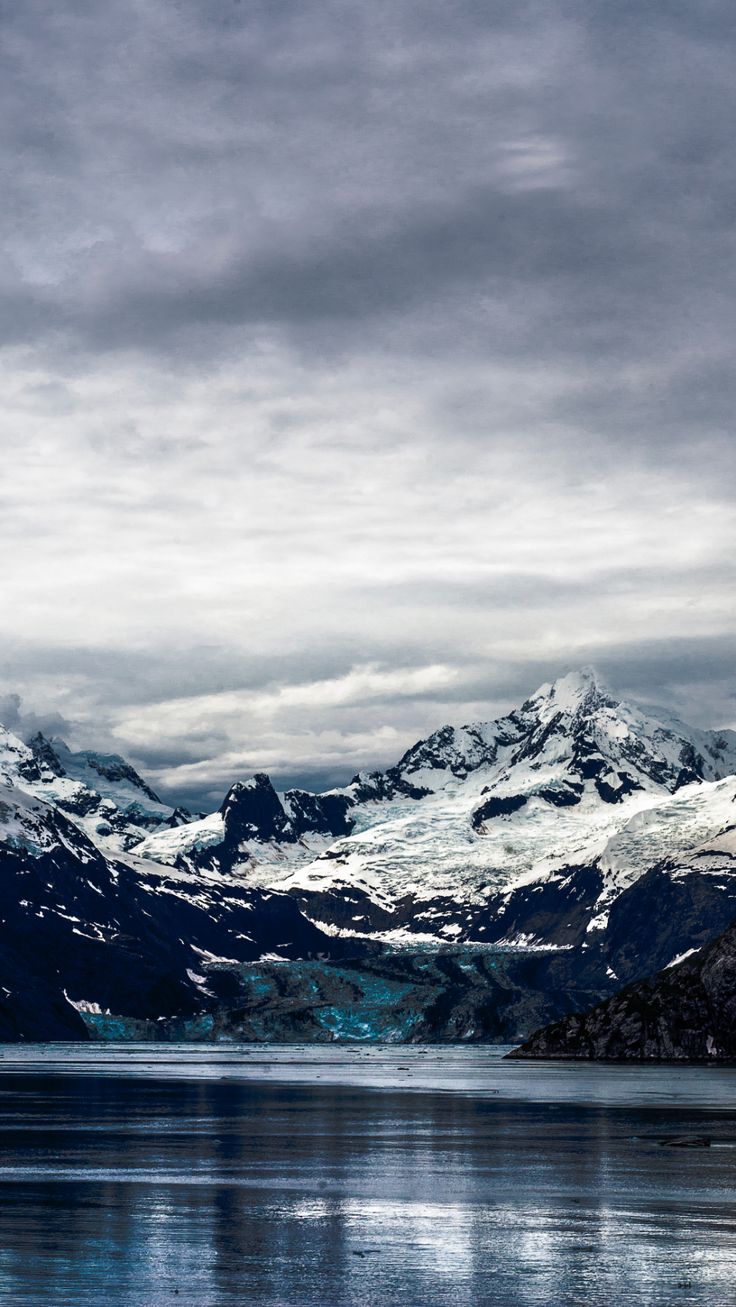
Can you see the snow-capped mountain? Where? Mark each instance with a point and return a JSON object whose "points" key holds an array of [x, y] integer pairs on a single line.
{"points": [[101, 792], [458, 840]]}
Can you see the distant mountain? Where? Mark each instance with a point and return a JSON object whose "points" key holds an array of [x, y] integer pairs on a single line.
{"points": [[101, 792]]}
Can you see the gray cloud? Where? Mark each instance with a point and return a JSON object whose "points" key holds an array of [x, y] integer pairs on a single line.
{"points": [[25, 723], [304, 167], [362, 366]]}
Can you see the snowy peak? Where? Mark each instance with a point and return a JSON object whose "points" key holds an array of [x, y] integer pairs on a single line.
{"points": [[577, 729], [573, 734], [16, 759], [543, 728], [98, 768], [449, 753], [576, 692], [106, 773], [101, 793]]}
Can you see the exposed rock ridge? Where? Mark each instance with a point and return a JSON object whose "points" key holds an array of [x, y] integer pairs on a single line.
{"points": [[686, 1013]]}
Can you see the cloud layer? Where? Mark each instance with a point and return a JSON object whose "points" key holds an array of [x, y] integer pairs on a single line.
{"points": [[362, 367]]}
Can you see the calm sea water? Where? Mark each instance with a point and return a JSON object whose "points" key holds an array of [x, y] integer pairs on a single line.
{"points": [[360, 1177]]}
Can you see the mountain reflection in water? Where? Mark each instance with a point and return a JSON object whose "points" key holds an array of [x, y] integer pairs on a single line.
{"points": [[298, 1177]]}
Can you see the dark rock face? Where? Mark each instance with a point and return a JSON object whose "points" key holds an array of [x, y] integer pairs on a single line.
{"points": [[662, 915], [624, 785], [323, 814], [372, 786], [349, 908], [254, 814], [556, 910], [685, 1013], [46, 756], [566, 794], [179, 817], [561, 796], [252, 810], [34, 1008], [532, 734], [497, 807]]}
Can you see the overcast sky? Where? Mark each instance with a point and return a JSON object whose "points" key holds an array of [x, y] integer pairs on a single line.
{"points": [[363, 365]]}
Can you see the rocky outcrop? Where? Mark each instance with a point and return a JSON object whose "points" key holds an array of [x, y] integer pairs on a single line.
{"points": [[252, 810], [319, 814], [686, 1013]]}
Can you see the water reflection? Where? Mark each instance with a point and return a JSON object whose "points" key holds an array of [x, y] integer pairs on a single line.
{"points": [[127, 1189]]}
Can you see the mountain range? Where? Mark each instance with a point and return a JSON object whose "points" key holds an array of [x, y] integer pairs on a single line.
{"points": [[500, 875]]}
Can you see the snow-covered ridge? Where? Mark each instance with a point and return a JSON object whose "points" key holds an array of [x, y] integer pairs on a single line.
{"points": [[575, 777]]}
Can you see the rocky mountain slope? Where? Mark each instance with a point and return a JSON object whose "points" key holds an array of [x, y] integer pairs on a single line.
{"points": [[82, 931], [686, 1013]]}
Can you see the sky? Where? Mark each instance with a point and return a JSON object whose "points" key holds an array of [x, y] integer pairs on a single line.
{"points": [[363, 366]]}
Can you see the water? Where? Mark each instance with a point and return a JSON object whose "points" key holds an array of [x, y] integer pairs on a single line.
{"points": [[360, 1177]]}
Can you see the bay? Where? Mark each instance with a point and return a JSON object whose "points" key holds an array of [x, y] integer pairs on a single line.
{"points": [[361, 1176]]}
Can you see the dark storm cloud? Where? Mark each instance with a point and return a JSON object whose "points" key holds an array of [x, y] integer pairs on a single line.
{"points": [[505, 244], [138, 677], [309, 167]]}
